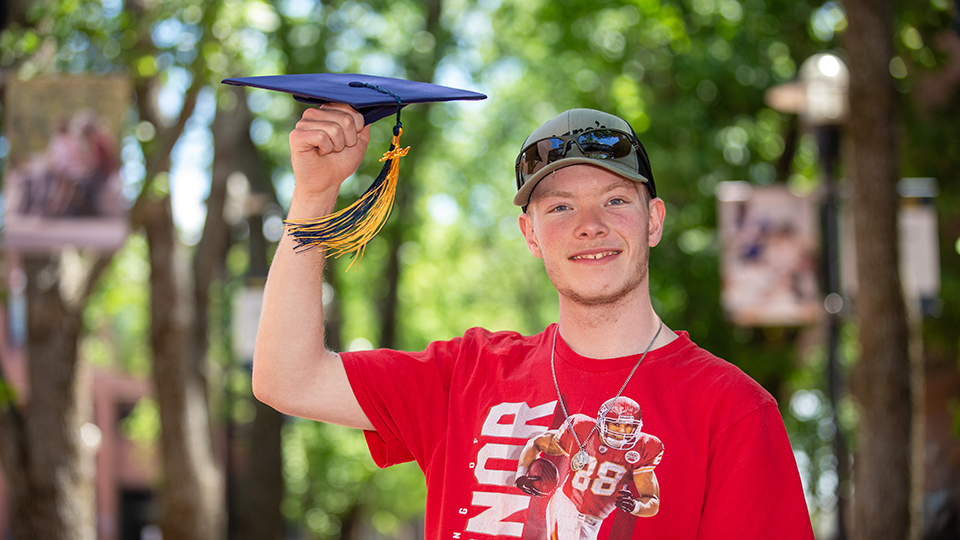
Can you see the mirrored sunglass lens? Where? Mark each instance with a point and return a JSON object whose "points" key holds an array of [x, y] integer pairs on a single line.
{"points": [[540, 154], [604, 144], [530, 160], [551, 149]]}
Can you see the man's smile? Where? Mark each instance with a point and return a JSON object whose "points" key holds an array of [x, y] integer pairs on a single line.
{"points": [[595, 256]]}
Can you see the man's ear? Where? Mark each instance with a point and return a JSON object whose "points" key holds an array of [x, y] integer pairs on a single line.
{"points": [[658, 212], [526, 228]]}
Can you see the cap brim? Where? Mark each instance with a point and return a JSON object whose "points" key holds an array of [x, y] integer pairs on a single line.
{"points": [[522, 198], [319, 88]]}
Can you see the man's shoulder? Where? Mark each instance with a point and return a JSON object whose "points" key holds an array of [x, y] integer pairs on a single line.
{"points": [[712, 374], [648, 439], [477, 351], [580, 419], [500, 337], [474, 353], [647, 452], [484, 342], [580, 423]]}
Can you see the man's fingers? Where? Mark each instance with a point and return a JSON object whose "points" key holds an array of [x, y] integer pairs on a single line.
{"points": [[326, 135], [330, 128], [313, 140], [334, 110], [358, 120], [626, 502]]}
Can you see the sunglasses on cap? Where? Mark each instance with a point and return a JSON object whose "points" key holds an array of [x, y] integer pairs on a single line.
{"points": [[598, 144]]}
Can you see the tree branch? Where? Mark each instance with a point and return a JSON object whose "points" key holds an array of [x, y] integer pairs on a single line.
{"points": [[93, 276], [159, 158]]}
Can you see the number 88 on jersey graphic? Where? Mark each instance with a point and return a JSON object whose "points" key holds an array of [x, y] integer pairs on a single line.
{"points": [[591, 467]]}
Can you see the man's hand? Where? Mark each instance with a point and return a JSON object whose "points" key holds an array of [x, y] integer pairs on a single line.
{"points": [[326, 147], [627, 503], [528, 485]]}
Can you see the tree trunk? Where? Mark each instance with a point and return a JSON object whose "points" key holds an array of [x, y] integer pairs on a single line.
{"points": [[402, 219], [262, 487], [49, 469], [257, 507], [191, 502], [881, 379], [191, 498]]}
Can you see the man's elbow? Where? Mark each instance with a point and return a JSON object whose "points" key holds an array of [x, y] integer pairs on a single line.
{"points": [[264, 385], [651, 508], [273, 395], [261, 390]]}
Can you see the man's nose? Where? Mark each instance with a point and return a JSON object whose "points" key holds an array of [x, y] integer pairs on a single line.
{"points": [[592, 223]]}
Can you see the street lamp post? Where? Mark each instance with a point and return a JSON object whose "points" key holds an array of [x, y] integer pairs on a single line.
{"points": [[820, 99]]}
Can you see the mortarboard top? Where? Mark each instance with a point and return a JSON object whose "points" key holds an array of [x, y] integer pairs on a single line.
{"points": [[348, 230], [319, 88]]}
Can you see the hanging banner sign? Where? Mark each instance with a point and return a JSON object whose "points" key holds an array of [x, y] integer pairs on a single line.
{"points": [[769, 246], [62, 185]]}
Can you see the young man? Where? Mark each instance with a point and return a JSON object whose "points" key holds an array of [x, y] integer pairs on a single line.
{"points": [[467, 408]]}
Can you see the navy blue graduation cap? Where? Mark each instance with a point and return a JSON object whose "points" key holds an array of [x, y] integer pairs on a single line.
{"points": [[350, 229]]}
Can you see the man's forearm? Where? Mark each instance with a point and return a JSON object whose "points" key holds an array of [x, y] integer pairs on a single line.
{"points": [[290, 336], [292, 369]]}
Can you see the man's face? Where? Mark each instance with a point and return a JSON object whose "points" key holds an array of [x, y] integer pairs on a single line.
{"points": [[622, 429], [593, 229]]}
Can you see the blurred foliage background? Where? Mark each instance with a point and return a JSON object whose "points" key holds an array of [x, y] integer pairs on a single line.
{"points": [[689, 75]]}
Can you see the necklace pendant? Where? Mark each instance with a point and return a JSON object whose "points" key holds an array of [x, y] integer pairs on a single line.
{"points": [[579, 460]]}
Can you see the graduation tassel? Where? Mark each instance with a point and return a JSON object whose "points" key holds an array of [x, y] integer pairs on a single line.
{"points": [[350, 229]]}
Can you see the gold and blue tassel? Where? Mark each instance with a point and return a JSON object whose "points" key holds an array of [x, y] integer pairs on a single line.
{"points": [[350, 229]]}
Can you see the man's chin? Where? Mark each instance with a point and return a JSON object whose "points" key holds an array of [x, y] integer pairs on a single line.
{"points": [[599, 298]]}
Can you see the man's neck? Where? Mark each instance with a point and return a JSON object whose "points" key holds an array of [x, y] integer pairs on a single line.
{"points": [[612, 330]]}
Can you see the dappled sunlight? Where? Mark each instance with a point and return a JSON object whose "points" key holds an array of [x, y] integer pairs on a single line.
{"points": [[690, 76]]}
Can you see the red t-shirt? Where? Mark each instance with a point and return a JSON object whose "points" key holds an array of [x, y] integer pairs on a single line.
{"points": [[465, 408]]}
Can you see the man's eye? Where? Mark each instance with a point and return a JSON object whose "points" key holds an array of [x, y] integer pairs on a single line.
{"points": [[616, 201], [560, 208]]}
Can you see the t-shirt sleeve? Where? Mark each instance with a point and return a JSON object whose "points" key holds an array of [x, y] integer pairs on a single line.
{"points": [[405, 397], [753, 485]]}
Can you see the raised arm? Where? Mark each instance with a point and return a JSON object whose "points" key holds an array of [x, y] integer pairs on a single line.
{"points": [[293, 371]]}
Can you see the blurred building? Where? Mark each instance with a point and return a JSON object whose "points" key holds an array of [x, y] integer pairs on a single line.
{"points": [[941, 451], [126, 470]]}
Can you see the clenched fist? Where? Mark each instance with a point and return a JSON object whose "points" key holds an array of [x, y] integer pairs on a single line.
{"points": [[326, 147]]}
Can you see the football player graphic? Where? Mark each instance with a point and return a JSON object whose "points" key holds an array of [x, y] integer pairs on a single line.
{"points": [[618, 453]]}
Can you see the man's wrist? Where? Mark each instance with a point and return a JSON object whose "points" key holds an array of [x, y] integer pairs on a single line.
{"points": [[306, 204]]}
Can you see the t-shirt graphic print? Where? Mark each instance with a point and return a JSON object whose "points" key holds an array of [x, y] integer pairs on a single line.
{"points": [[607, 486]]}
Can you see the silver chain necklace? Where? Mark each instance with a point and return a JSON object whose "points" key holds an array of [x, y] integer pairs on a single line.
{"points": [[581, 458]]}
